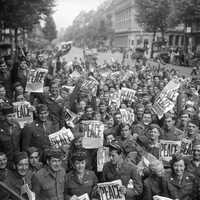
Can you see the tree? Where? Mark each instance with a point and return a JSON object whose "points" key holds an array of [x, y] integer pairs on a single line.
{"points": [[153, 15], [184, 11], [23, 14], [49, 30]]}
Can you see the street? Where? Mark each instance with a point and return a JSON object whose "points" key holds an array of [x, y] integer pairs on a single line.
{"points": [[77, 52]]}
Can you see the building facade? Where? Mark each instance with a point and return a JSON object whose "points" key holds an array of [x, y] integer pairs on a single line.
{"points": [[128, 33]]}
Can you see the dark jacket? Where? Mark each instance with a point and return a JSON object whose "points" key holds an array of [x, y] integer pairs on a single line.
{"points": [[15, 181], [153, 186], [77, 187], [35, 134], [174, 134], [126, 172], [9, 138], [193, 169], [48, 185], [184, 190], [56, 112]]}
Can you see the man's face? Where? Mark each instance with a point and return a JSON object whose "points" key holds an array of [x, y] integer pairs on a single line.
{"points": [[2, 92], [154, 134], [192, 128], [54, 90], [80, 166], [114, 157], [23, 65], [196, 152], [125, 132], [89, 112], [147, 119], [109, 139], [3, 161], [10, 117], [118, 119], [40, 58], [54, 164], [19, 90], [43, 116], [34, 159], [82, 105], [169, 123], [102, 108], [22, 167], [184, 118], [110, 123], [140, 112]]}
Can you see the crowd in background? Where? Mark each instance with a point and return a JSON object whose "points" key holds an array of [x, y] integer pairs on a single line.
{"points": [[28, 159]]}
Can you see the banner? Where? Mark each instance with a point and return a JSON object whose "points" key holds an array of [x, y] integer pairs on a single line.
{"points": [[89, 86], [127, 117], [127, 94], [69, 116], [157, 197], [35, 80], [23, 114], [168, 148], [186, 147], [93, 134], [110, 190], [84, 197], [61, 138], [70, 89], [115, 99], [115, 75], [102, 157], [167, 98]]}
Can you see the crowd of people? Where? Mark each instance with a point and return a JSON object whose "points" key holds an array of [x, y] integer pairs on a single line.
{"points": [[29, 162]]}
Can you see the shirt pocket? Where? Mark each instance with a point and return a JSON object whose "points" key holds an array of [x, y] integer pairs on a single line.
{"points": [[49, 186]]}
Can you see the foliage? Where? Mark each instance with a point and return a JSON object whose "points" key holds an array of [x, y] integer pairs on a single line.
{"points": [[153, 14], [184, 11], [24, 13], [90, 28], [49, 30]]}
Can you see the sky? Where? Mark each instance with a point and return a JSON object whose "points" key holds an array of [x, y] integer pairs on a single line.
{"points": [[67, 10]]}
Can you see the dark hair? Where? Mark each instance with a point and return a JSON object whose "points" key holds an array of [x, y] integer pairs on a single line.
{"points": [[3, 153], [115, 146], [123, 125], [176, 158]]}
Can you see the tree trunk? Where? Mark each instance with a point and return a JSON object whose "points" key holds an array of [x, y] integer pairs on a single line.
{"points": [[152, 45]]}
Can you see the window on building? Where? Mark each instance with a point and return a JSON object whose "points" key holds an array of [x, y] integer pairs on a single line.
{"points": [[177, 40], [139, 41], [132, 43], [182, 40], [146, 41], [171, 40]]}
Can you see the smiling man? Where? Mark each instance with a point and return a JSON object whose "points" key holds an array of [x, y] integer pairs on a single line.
{"points": [[20, 176], [48, 182]]}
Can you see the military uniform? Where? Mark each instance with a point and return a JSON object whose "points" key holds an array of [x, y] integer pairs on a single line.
{"points": [[173, 134], [77, 187], [36, 135], [9, 138], [184, 190], [153, 186], [15, 181], [48, 185], [193, 169], [125, 173]]}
